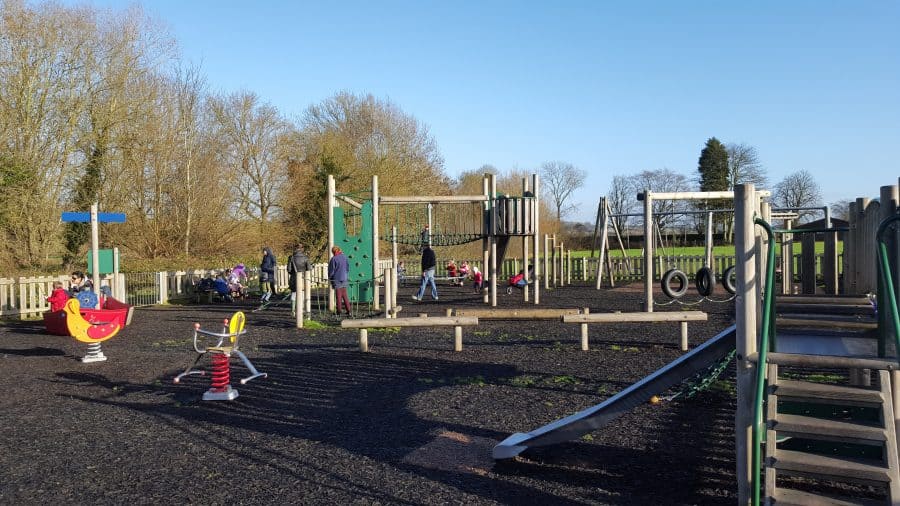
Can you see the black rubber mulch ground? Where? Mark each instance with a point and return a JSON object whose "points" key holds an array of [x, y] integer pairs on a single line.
{"points": [[412, 422]]}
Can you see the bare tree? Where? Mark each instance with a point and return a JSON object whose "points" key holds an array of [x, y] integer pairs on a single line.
{"points": [[622, 199], [744, 166], [799, 189], [558, 181], [662, 180], [840, 209]]}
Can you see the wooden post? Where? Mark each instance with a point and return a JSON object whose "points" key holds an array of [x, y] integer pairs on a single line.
{"points": [[376, 242], [525, 263], [684, 335], [363, 340], [829, 263], [330, 207], [546, 261], [493, 236], [648, 252], [604, 241], [536, 215], [584, 332], [307, 290], [395, 257], [485, 243], [708, 260], [457, 338], [787, 259], [388, 309], [808, 263], [299, 301], [746, 256]]}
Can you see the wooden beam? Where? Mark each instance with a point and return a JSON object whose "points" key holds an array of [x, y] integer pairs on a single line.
{"points": [[431, 199], [517, 314], [350, 201], [437, 321], [667, 316]]}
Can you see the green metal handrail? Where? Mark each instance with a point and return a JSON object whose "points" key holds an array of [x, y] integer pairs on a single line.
{"points": [[767, 328], [886, 296]]}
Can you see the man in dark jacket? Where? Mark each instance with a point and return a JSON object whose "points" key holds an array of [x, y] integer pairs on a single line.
{"points": [[429, 263], [297, 263], [338, 275]]}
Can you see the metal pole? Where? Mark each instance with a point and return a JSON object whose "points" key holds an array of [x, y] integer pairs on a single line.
{"points": [[95, 251]]}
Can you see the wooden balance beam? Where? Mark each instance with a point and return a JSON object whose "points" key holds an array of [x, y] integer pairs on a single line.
{"points": [[515, 314], [457, 322], [668, 316]]}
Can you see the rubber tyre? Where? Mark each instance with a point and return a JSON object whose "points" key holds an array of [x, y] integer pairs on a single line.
{"points": [[705, 281], [729, 280], [681, 279]]}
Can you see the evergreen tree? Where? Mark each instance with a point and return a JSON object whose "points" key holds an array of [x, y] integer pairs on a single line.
{"points": [[713, 166]]}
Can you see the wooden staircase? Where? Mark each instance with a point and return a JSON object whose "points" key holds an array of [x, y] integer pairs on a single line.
{"points": [[818, 425]]}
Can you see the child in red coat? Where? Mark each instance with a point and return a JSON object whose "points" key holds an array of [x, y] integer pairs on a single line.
{"points": [[58, 298]]}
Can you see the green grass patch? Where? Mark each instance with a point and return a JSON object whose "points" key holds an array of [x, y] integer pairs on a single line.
{"points": [[629, 349], [523, 381], [385, 330], [565, 380], [314, 325], [470, 380]]}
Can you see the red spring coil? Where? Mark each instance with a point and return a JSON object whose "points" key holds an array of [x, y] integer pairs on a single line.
{"points": [[221, 373]]}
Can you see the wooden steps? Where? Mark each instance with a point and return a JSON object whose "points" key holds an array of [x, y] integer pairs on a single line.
{"points": [[824, 393], [823, 449], [791, 497]]}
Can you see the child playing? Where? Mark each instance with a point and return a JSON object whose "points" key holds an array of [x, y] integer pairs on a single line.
{"points": [[517, 281], [452, 272], [463, 273], [58, 297], [477, 279]]}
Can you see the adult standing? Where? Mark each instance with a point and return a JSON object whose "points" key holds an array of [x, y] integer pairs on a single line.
{"points": [[267, 274], [338, 275], [429, 263], [297, 263]]}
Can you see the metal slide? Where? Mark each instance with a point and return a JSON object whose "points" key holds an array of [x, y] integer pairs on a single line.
{"points": [[595, 417]]}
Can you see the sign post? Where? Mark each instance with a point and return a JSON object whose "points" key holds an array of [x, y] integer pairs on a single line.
{"points": [[94, 218]]}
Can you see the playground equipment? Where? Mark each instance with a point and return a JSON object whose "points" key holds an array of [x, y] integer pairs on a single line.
{"points": [[574, 426], [496, 220], [457, 322], [85, 331], [232, 329], [852, 438], [111, 311]]}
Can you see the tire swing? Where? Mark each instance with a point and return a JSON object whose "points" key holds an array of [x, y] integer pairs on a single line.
{"points": [[729, 280], [705, 281], [678, 277]]}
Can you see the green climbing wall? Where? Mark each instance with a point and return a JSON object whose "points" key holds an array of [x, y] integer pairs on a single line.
{"points": [[360, 253]]}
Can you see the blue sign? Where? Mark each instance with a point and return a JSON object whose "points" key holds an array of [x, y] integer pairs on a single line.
{"points": [[83, 217]]}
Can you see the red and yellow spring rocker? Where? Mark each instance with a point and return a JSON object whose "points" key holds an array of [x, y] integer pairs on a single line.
{"points": [[92, 333], [220, 389]]}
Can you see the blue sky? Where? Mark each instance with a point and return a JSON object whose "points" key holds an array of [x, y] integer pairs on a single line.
{"points": [[612, 87]]}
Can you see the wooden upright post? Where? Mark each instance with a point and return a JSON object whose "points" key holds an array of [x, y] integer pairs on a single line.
{"points": [[525, 263], [746, 305], [648, 252], [604, 240], [493, 237], [376, 242], [536, 219], [330, 206]]}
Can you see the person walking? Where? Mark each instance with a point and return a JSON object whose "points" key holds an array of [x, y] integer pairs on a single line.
{"points": [[267, 275], [429, 263], [338, 274], [297, 263]]}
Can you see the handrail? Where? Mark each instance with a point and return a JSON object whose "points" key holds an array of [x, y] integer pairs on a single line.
{"points": [[886, 291], [768, 308]]}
